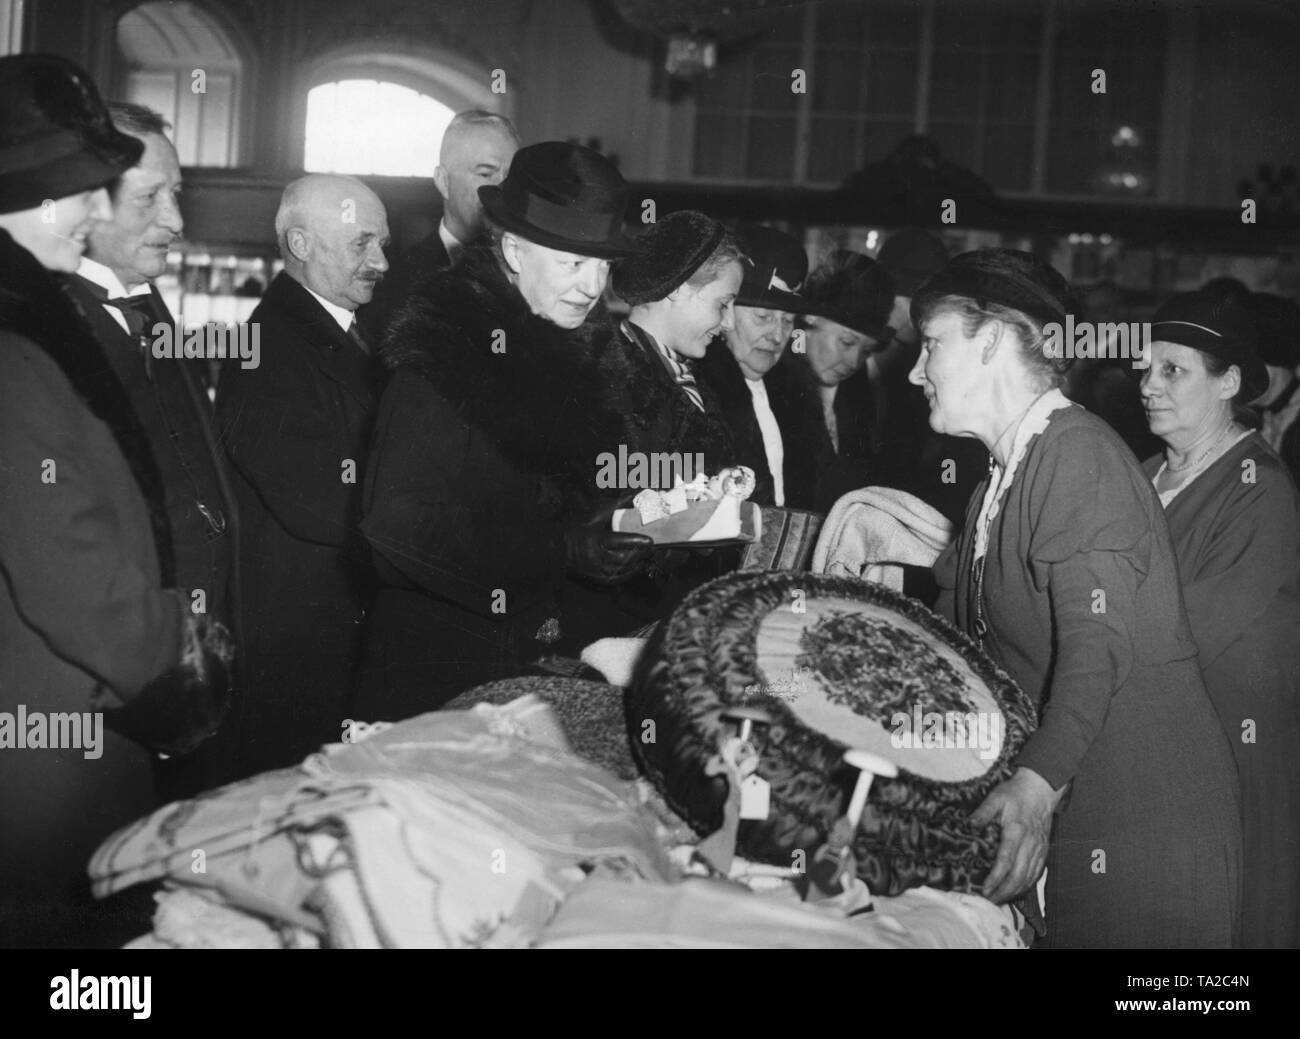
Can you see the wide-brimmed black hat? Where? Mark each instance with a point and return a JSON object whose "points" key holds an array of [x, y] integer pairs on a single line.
{"points": [[673, 249], [912, 255], [563, 196], [1215, 325], [776, 269], [852, 290], [56, 137]]}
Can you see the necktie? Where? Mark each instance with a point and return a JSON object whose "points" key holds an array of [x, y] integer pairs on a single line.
{"points": [[355, 336], [685, 379], [679, 369], [138, 312], [136, 309]]}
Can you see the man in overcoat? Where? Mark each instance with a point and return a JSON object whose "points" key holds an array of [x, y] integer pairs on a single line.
{"points": [[295, 429], [114, 289]]}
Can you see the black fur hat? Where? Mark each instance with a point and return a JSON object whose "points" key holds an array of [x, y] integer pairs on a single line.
{"points": [[56, 136], [674, 249]]}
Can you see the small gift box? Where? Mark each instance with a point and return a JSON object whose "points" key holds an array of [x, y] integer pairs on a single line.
{"points": [[701, 522]]}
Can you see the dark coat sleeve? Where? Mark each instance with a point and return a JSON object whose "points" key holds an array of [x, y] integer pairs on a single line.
{"points": [[280, 429], [71, 553], [448, 512], [1090, 547]]}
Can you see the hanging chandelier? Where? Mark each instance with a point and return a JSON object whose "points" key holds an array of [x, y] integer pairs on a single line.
{"points": [[694, 30]]}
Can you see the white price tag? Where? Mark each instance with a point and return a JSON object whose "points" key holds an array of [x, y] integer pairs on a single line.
{"points": [[755, 798]]}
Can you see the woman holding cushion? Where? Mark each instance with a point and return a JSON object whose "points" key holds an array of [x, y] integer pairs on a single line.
{"points": [[1233, 513], [1065, 574]]}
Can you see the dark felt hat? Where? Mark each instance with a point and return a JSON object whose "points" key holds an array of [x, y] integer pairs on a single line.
{"points": [[852, 290], [1215, 325], [1008, 277], [563, 196], [673, 249], [912, 255], [775, 271], [56, 137]]}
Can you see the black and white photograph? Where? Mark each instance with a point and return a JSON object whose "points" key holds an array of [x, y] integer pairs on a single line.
{"points": [[651, 474]]}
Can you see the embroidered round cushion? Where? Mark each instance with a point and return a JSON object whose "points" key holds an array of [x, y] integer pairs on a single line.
{"points": [[836, 663]]}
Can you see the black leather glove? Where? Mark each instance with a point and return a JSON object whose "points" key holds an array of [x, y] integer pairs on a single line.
{"points": [[603, 555]]}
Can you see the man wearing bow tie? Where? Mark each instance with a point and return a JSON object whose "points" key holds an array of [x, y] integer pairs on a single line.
{"points": [[113, 287]]}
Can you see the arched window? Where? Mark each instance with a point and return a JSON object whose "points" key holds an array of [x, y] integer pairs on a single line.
{"points": [[364, 126], [381, 107], [179, 60]]}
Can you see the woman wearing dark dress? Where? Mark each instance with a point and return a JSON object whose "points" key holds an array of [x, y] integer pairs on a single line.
{"points": [[1232, 510], [1065, 574]]}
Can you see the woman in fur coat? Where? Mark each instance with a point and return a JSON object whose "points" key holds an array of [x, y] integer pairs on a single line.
{"points": [[101, 660], [490, 537]]}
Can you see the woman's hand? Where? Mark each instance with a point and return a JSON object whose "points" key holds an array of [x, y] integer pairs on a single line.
{"points": [[603, 555], [1023, 806]]}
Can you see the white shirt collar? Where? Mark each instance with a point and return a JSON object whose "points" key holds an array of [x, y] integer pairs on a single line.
{"points": [[450, 242], [94, 271], [342, 315]]}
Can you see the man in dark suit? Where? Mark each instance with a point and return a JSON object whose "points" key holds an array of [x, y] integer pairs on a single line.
{"points": [[296, 430], [477, 148], [113, 287], [776, 431]]}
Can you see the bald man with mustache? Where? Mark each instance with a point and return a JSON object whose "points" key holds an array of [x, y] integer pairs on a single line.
{"points": [[295, 430]]}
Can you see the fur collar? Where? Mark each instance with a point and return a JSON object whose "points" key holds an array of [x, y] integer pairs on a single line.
{"points": [[529, 386], [34, 306]]}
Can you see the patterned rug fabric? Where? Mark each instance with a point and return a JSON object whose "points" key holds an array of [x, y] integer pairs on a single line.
{"points": [[914, 830]]}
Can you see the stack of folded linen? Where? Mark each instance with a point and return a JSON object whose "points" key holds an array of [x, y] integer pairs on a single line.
{"points": [[453, 829]]}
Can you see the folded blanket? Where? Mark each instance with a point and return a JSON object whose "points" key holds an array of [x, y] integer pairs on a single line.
{"points": [[872, 533], [451, 829]]}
